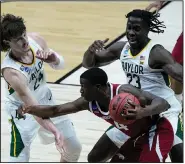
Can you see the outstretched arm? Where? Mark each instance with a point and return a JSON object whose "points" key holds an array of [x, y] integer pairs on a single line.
{"points": [[97, 56], [160, 58], [152, 104], [46, 111]]}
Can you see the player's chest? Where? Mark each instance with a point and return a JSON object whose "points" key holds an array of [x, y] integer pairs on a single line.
{"points": [[34, 69], [134, 66]]}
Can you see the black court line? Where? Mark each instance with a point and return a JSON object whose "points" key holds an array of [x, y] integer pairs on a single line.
{"points": [[108, 45]]}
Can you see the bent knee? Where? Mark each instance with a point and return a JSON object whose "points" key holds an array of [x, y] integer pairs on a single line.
{"points": [[72, 149]]}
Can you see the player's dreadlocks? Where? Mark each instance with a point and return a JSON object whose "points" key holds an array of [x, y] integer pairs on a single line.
{"points": [[11, 27], [150, 18]]}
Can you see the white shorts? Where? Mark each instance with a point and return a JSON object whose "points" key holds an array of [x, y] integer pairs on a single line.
{"points": [[23, 133]]}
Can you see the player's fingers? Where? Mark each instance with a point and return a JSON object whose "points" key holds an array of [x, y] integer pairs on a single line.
{"points": [[157, 9], [39, 54], [46, 54], [98, 44], [38, 57], [106, 40], [149, 8], [43, 54], [131, 111], [129, 116], [131, 103]]}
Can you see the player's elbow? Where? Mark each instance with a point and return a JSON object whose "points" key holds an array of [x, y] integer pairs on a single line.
{"points": [[88, 60], [164, 105], [87, 64]]}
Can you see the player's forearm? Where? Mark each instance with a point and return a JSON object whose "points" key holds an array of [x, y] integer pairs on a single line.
{"points": [[47, 111], [158, 105], [47, 124], [88, 59], [175, 71]]}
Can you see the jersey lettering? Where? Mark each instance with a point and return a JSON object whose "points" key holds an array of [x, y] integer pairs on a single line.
{"points": [[134, 80], [37, 76], [38, 80], [132, 68]]}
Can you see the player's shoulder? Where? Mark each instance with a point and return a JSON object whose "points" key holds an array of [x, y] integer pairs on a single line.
{"points": [[12, 76], [156, 47], [38, 39], [10, 72], [158, 54]]}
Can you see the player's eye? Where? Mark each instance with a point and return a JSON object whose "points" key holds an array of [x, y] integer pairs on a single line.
{"points": [[129, 27], [137, 28]]}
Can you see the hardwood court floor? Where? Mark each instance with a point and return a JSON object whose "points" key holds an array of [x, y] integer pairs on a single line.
{"points": [[70, 27]]}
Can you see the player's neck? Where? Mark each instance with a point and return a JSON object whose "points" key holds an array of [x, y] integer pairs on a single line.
{"points": [[104, 99], [141, 46], [21, 56]]}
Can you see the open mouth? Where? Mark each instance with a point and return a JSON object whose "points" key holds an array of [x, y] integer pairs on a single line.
{"points": [[132, 40]]}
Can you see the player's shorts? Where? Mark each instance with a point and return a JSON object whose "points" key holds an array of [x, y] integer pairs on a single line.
{"points": [[151, 147], [23, 133]]}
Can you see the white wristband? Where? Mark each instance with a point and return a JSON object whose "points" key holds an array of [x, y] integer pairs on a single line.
{"points": [[61, 63]]}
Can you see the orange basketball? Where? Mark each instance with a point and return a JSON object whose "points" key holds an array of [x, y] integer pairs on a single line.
{"points": [[119, 104]]}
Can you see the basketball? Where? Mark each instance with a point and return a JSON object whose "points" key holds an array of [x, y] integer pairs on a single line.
{"points": [[119, 104]]}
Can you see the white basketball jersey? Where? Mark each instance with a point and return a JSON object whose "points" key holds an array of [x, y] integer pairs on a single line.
{"points": [[140, 75], [34, 74]]}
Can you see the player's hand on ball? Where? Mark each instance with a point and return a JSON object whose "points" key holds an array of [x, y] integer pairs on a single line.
{"points": [[133, 114], [98, 45], [46, 56]]}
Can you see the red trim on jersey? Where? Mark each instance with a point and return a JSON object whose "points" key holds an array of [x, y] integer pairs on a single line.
{"points": [[177, 52], [114, 88]]}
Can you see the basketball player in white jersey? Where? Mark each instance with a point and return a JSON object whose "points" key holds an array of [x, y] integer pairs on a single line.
{"points": [[23, 71], [147, 65]]}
